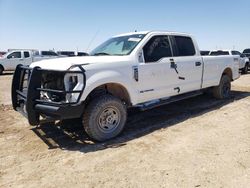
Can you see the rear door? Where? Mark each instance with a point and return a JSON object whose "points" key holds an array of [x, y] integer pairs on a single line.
{"points": [[156, 78], [189, 63], [27, 58]]}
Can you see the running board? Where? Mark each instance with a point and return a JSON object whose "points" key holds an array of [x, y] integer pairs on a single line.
{"points": [[159, 102]]}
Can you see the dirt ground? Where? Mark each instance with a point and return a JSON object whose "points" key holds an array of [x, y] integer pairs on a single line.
{"points": [[199, 142]]}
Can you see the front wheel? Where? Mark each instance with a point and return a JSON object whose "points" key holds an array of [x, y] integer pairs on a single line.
{"points": [[223, 90], [104, 118]]}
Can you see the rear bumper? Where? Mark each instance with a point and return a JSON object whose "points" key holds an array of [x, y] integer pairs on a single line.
{"points": [[27, 101]]}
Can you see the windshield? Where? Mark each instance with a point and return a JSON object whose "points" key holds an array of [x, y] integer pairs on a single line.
{"points": [[123, 45], [215, 53], [246, 51]]}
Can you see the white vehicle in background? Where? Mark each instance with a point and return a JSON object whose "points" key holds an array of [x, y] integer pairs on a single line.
{"points": [[244, 61], [23, 57], [140, 69], [71, 53], [45, 54]]}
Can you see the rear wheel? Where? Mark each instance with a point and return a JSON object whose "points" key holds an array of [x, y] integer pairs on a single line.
{"points": [[223, 90], [104, 118]]}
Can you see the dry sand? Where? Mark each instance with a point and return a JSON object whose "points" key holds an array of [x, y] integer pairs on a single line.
{"points": [[199, 142]]}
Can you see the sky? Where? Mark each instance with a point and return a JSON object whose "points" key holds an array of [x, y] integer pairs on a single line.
{"points": [[83, 24]]}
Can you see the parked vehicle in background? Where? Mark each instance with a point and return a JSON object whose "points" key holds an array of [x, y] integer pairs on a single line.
{"points": [[204, 52], [246, 52], [22, 57], [2, 53], [140, 69], [82, 54], [244, 61], [71, 53], [45, 53], [66, 53]]}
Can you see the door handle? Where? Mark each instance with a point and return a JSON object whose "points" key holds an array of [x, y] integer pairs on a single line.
{"points": [[20, 59], [197, 64]]}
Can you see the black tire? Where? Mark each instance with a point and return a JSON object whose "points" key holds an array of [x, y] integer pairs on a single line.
{"points": [[1, 69], [245, 69], [223, 90], [104, 117]]}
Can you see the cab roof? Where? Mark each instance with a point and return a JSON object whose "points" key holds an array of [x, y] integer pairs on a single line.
{"points": [[151, 32]]}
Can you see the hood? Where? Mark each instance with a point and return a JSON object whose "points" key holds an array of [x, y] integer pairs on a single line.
{"points": [[67, 62]]}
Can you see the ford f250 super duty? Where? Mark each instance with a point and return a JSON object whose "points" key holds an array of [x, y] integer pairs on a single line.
{"points": [[141, 69]]}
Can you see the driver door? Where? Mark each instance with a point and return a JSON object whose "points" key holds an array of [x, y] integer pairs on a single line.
{"points": [[13, 59], [156, 78]]}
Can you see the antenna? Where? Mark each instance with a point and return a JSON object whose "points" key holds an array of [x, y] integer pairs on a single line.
{"points": [[91, 41]]}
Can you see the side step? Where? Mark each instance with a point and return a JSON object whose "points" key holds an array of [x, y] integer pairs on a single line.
{"points": [[159, 102]]}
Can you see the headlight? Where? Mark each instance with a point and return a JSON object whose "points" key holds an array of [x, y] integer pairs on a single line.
{"points": [[73, 83], [61, 87]]}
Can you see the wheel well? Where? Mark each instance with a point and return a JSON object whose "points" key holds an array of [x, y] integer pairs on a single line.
{"points": [[228, 72], [114, 89]]}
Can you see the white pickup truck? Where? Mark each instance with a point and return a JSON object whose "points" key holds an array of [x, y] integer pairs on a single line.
{"points": [[141, 69], [244, 61], [23, 57]]}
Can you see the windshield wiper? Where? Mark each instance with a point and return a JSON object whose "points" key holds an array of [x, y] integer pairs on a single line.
{"points": [[101, 53]]}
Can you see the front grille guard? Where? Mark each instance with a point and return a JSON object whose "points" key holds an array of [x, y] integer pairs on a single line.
{"points": [[26, 88]]}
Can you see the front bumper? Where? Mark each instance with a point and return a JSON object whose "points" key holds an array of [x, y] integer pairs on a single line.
{"points": [[26, 97]]}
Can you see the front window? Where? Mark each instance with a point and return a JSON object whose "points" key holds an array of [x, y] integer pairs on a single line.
{"points": [[246, 51], [157, 47], [14, 55], [122, 45]]}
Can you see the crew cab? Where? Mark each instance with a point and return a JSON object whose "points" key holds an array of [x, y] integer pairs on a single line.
{"points": [[141, 70], [244, 61], [23, 57]]}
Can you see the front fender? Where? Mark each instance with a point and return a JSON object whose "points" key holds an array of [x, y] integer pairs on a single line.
{"points": [[105, 77]]}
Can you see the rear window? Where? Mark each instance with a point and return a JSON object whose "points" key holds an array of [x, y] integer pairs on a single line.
{"points": [[215, 53], [26, 54], [246, 51], [184, 46]]}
